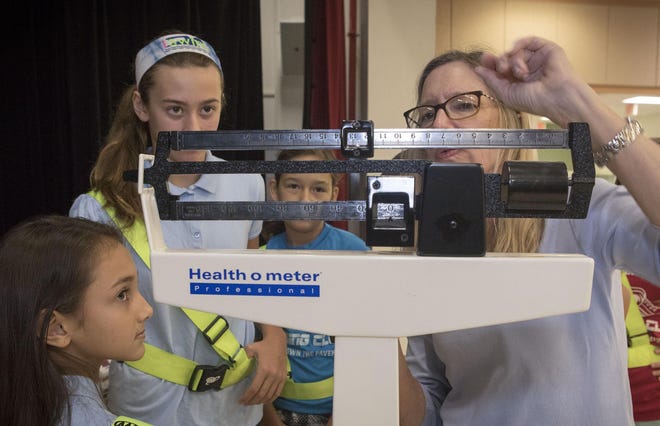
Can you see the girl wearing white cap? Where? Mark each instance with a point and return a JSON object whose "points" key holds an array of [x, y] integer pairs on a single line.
{"points": [[179, 86]]}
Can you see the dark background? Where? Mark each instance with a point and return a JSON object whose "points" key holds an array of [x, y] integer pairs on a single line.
{"points": [[65, 65]]}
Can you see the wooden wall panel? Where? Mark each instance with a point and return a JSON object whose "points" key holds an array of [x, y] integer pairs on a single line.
{"points": [[632, 46], [524, 18], [610, 43], [477, 24], [657, 54], [582, 32], [442, 26]]}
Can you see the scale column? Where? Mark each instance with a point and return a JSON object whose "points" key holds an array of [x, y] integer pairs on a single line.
{"points": [[366, 389]]}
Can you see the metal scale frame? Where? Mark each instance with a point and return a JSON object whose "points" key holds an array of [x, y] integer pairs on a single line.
{"points": [[367, 300]]}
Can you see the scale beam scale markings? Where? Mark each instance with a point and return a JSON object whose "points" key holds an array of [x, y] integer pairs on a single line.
{"points": [[248, 140]]}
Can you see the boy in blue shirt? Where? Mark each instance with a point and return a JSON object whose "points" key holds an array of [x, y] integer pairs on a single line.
{"points": [[307, 397]]}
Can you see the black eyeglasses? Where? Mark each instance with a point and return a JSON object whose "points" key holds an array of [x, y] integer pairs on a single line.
{"points": [[457, 107]]}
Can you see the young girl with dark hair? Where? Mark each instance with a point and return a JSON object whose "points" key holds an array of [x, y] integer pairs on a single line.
{"points": [[69, 301]]}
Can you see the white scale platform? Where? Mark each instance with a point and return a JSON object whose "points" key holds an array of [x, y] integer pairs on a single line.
{"points": [[367, 300]]}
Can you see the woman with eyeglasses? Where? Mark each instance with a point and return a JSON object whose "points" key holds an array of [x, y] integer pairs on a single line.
{"points": [[561, 370]]}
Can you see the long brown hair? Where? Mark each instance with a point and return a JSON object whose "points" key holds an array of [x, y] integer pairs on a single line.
{"points": [[503, 235], [128, 137], [46, 264]]}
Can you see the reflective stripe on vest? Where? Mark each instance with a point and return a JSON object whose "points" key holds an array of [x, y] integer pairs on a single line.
{"points": [[308, 391], [174, 368], [127, 421], [641, 352]]}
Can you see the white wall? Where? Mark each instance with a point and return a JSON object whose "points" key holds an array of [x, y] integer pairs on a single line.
{"points": [[283, 94]]}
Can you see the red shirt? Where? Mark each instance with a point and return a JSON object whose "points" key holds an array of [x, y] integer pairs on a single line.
{"points": [[644, 386]]}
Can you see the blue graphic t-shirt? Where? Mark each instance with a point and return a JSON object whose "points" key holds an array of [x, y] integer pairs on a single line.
{"points": [[311, 355]]}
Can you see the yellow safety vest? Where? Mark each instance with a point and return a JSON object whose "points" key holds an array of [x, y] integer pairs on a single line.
{"points": [[641, 352], [127, 421], [159, 363], [306, 391]]}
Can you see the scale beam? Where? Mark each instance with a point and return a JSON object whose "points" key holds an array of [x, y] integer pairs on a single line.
{"points": [[523, 189], [248, 140]]}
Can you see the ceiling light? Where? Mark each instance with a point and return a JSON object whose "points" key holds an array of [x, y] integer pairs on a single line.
{"points": [[648, 100]]}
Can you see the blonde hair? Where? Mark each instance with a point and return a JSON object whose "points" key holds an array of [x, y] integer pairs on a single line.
{"points": [[519, 235]]}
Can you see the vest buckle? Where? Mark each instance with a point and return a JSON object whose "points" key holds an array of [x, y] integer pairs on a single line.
{"points": [[210, 377]]}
